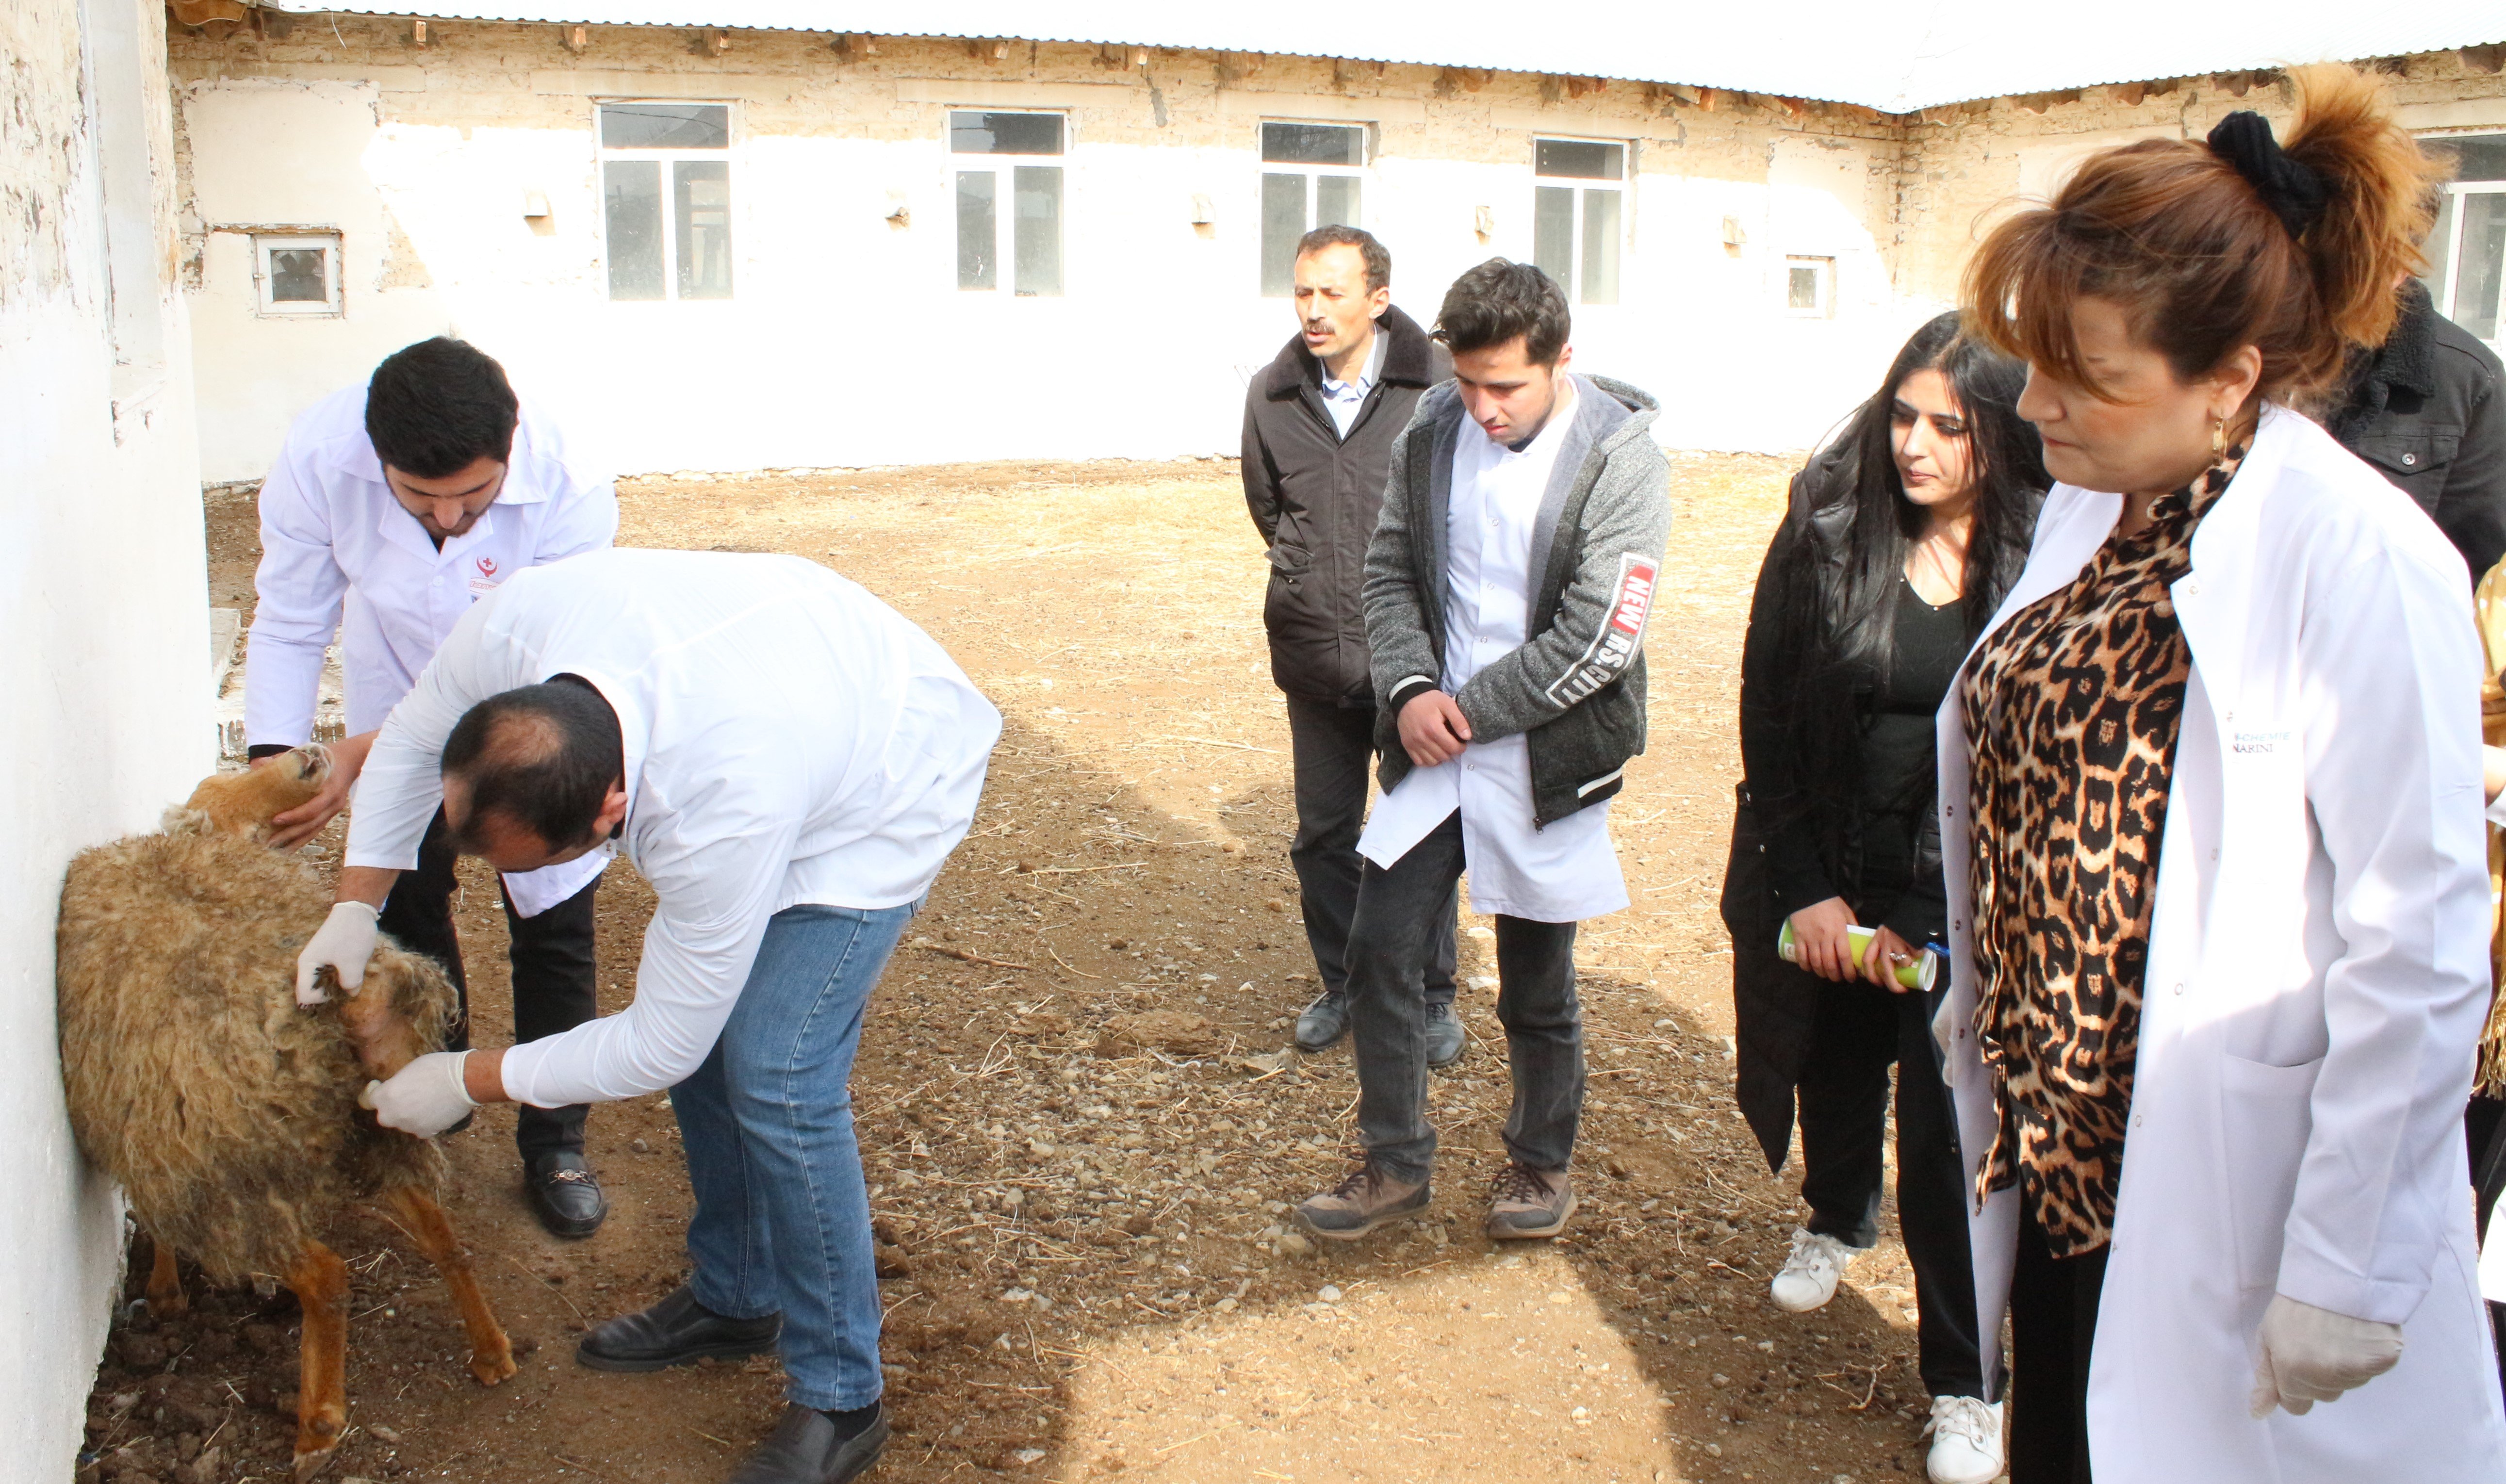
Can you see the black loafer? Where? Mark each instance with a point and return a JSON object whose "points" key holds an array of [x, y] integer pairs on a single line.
{"points": [[676, 1332], [564, 1194], [804, 1449], [1322, 1022]]}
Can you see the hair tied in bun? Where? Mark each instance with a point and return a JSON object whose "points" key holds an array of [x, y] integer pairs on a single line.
{"points": [[2290, 188]]}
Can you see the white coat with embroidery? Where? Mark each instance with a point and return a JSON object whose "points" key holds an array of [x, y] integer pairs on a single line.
{"points": [[340, 555], [2316, 979]]}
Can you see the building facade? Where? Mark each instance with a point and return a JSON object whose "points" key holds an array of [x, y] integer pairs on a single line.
{"points": [[105, 600], [762, 249]]}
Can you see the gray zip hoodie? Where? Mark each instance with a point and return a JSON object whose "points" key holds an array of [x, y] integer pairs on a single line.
{"points": [[1576, 686]]}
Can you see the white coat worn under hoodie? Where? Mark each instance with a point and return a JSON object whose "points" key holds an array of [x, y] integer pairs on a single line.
{"points": [[2317, 977]]}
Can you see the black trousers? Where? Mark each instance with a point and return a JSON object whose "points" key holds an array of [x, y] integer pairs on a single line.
{"points": [[1399, 910], [2053, 1323], [555, 978], [1334, 753], [1858, 1030]]}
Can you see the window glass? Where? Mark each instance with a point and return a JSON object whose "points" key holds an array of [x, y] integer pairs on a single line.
{"points": [[632, 191], [2477, 157], [2480, 268], [1578, 160], [702, 199], [1313, 143], [664, 127], [1283, 222], [1800, 290], [1552, 234], [1600, 258], [299, 276], [973, 133], [1336, 200], [1038, 235], [977, 231], [2439, 249]]}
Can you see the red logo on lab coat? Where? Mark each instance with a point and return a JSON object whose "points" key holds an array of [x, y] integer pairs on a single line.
{"points": [[487, 566]]}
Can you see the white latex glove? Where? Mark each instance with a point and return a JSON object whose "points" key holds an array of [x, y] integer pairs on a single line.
{"points": [[427, 1097], [344, 944], [1941, 1031], [2305, 1355]]}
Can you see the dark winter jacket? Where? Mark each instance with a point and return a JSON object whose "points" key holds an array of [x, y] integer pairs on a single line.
{"points": [[2428, 412], [1576, 686], [1314, 495]]}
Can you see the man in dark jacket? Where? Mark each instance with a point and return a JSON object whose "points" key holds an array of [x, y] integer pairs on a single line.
{"points": [[1507, 591], [2427, 410], [1319, 422]]}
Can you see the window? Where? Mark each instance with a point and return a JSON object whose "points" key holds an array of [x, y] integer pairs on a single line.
{"points": [[2467, 251], [1810, 286], [1293, 202], [297, 274], [1028, 235], [665, 197], [1575, 221]]}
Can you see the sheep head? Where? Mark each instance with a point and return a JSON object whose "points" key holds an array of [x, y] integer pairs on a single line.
{"points": [[245, 803]]}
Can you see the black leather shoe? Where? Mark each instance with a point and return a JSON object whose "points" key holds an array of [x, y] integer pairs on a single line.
{"points": [[1322, 1022], [564, 1194], [676, 1332], [805, 1449], [1446, 1041]]}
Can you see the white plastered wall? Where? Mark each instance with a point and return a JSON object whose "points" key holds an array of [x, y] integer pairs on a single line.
{"points": [[103, 594], [846, 342]]}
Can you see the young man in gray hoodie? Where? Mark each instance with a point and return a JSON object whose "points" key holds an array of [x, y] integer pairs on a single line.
{"points": [[1506, 589]]}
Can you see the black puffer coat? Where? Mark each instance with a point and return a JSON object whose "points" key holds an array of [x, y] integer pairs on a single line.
{"points": [[1314, 496]]}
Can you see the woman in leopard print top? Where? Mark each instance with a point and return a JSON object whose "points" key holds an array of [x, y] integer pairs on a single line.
{"points": [[2209, 811]]}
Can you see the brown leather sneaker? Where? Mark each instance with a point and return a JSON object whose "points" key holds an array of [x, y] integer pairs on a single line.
{"points": [[1359, 1204], [1529, 1203]]}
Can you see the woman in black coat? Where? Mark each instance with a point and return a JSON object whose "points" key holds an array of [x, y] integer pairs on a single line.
{"points": [[1903, 535]]}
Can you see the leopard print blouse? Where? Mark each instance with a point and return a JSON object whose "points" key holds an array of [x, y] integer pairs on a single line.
{"points": [[2072, 709]]}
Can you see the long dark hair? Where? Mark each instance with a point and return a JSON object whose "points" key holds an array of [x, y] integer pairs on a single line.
{"points": [[1853, 533]]}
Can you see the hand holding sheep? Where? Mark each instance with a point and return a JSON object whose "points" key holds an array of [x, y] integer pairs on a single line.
{"points": [[428, 1096], [344, 944]]}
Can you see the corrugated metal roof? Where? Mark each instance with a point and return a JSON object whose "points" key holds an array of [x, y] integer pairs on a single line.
{"points": [[1896, 59]]}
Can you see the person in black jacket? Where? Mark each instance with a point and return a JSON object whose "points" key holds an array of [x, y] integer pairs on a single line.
{"points": [[1319, 423], [2427, 410], [1902, 537]]}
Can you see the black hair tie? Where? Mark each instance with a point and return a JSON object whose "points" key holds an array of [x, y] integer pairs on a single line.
{"points": [[2294, 192]]}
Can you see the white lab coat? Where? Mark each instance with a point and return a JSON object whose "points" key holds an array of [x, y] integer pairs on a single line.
{"points": [[2316, 979], [789, 739], [340, 555]]}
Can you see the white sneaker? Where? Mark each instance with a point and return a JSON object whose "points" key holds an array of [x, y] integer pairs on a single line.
{"points": [[1810, 1274], [1966, 1441]]}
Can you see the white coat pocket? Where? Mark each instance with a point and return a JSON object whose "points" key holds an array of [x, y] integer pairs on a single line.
{"points": [[2265, 1113]]}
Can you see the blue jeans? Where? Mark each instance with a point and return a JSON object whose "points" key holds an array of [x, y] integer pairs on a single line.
{"points": [[782, 1220]]}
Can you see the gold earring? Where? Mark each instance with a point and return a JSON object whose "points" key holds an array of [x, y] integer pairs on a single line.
{"points": [[2218, 435]]}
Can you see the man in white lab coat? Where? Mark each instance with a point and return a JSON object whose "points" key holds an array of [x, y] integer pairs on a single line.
{"points": [[789, 763], [392, 508]]}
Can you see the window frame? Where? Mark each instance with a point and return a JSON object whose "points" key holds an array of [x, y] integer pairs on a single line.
{"points": [[265, 280], [2443, 278], [1363, 172], [1582, 186], [1825, 267], [664, 157], [1003, 168]]}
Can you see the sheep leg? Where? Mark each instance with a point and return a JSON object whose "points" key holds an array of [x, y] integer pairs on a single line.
{"points": [[491, 1356], [321, 1284], [164, 1285]]}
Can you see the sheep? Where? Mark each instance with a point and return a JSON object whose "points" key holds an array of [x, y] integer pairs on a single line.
{"points": [[230, 1115]]}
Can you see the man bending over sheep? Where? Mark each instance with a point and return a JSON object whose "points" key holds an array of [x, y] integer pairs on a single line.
{"points": [[393, 507], [789, 763]]}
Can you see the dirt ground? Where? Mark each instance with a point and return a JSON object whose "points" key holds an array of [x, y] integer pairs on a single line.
{"points": [[1080, 1131]]}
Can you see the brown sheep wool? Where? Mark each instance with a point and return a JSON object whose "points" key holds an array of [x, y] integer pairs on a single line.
{"points": [[229, 1116]]}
